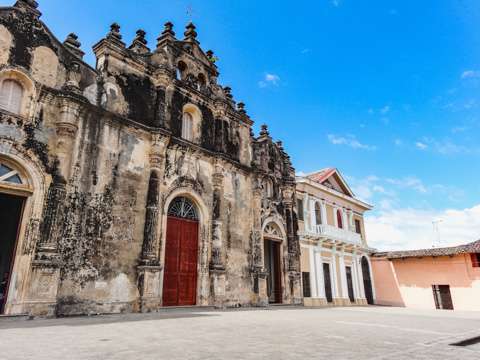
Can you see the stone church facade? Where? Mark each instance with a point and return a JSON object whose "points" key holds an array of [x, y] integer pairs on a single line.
{"points": [[136, 184]]}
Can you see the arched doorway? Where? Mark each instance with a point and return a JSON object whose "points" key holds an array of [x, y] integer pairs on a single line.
{"points": [[367, 281], [13, 187], [272, 246], [181, 254]]}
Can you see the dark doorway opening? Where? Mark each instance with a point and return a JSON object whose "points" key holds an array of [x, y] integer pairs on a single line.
{"points": [[11, 208], [274, 277], [351, 294], [442, 297], [367, 281], [328, 282]]}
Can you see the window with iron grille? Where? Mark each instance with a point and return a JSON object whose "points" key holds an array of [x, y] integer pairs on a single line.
{"points": [[306, 284]]}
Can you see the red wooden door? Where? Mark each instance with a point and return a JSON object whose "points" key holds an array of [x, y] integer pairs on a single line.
{"points": [[181, 256]]}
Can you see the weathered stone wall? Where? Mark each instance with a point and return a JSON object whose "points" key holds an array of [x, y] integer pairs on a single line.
{"points": [[109, 156]]}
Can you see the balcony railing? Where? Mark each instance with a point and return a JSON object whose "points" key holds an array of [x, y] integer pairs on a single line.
{"points": [[336, 233]]}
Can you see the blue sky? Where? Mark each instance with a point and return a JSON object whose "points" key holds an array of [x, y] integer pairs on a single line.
{"points": [[386, 91]]}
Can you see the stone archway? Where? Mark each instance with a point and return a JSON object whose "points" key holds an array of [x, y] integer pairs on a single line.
{"points": [[22, 192], [203, 248], [181, 254], [273, 241]]}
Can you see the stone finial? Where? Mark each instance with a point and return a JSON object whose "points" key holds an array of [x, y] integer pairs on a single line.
{"points": [[139, 44], [280, 145], [114, 32], [228, 92], [29, 5], [72, 43], [168, 29], [141, 36], [167, 33], [264, 130], [190, 33], [241, 108]]}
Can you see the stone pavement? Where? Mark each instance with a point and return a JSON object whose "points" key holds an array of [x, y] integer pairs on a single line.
{"points": [[278, 333]]}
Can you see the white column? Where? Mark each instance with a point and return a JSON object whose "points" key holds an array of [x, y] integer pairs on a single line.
{"points": [[335, 218], [312, 215], [343, 275], [346, 224], [356, 288], [351, 225], [319, 274], [360, 277], [306, 219], [335, 289], [324, 212], [313, 272]]}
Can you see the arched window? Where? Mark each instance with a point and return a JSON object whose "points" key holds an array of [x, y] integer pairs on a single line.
{"points": [[202, 82], [339, 219], [318, 214], [182, 208], [9, 175], [187, 126], [11, 95], [181, 70]]}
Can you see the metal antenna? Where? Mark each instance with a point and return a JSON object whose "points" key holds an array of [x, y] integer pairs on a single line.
{"points": [[190, 12], [436, 232]]}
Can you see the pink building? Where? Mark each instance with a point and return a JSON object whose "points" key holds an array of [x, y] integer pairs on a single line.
{"points": [[441, 278]]}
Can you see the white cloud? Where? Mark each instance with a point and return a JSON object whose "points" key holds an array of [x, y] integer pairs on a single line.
{"points": [[398, 142], [409, 182], [420, 145], [269, 79], [385, 110], [396, 229], [470, 74], [351, 141]]}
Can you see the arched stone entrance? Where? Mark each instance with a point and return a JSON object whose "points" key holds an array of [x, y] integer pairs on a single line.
{"points": [[272, 248], [367, 281], [12, 202], [181, 254]]}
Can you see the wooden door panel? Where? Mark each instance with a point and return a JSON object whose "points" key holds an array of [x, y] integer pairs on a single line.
{"points": [[181, 259]]}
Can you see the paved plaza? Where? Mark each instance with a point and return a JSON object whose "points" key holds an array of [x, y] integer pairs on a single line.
{"points": [[278, 333]]}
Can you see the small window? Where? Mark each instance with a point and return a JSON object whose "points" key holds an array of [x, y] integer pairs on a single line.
{"points": [[318, 214], [306, 284], [339, 219], [9, 175], [300, 209], [11, 94], [475, 260], [358, 227], [187, 126]]}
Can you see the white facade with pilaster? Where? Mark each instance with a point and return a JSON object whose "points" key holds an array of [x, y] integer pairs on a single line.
{"points": [[333, 242]]}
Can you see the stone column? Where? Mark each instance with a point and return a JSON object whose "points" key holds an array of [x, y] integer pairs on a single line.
{"points": [[217, 265], [66, 130], [293, 245], [150, 269], [259, 274]]}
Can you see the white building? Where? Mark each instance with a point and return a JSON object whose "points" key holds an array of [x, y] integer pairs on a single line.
{"points": [[335, 260]]}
